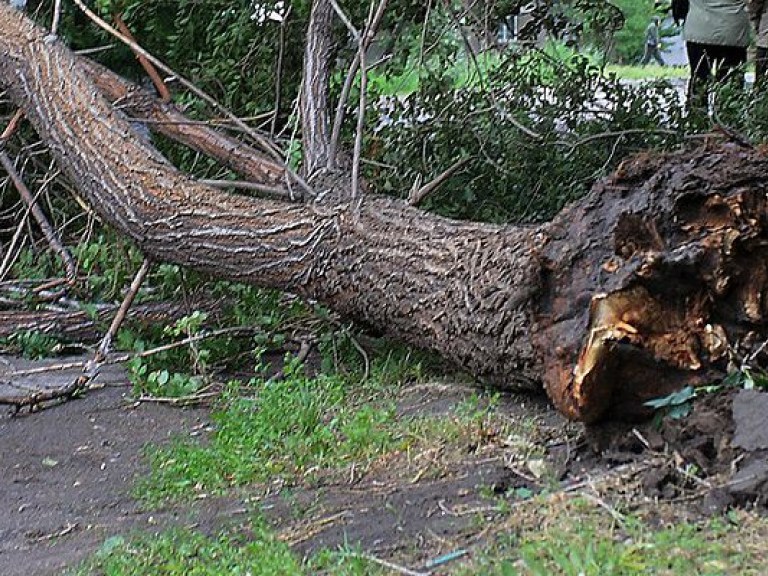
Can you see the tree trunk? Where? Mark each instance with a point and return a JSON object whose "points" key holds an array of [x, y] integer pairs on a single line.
{"points": [[315, 119], [638, 289]]}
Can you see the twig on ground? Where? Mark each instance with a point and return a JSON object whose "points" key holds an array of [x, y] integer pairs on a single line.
{"points": [[363, 353], [391, 565], [63, 532], [189, 400]]}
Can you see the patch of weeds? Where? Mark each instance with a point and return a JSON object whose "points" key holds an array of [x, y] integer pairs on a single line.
{"points": [[172, 373], [391, 365], [280, 429], [181, 552], [108, 263], [32, 344], [582, 542], [36, 265]]}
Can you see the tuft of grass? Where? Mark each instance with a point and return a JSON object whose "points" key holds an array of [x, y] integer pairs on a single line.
{"points": [[182, 552], [585, 541], [281, 429], [650, 72]]}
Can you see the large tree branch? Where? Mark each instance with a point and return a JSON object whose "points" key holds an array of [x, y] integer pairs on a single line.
{"points": [[166, 119], [647, 284]]}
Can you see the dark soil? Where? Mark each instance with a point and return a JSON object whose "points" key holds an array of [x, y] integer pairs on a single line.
{"points": [[68, 475]]}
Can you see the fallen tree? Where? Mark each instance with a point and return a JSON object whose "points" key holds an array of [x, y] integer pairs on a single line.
{"points": [[647, 284]]}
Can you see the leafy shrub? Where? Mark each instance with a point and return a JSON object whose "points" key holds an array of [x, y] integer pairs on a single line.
{"points": [[537, 133]]}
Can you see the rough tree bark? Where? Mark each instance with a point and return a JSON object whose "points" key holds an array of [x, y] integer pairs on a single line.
{"points": [[316, 123], [641, 287]]}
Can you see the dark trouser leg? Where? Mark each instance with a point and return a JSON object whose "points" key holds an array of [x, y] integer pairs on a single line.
{"points": [[701, 70], [761, 65], [729, 59], [657, 56], [647, 55]]}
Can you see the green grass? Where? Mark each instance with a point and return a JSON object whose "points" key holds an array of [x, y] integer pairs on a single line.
{"points": [[285, 428], [183, 552], [650, 72], [581, 541], [180, 552], [280, 430], [288, 429]]}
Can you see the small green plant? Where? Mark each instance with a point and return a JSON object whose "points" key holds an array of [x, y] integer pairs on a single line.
{"points": [[676, 405], [32, 344]]}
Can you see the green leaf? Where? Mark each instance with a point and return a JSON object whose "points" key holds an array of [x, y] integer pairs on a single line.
{"points": [[674, 399], [163, 377]]}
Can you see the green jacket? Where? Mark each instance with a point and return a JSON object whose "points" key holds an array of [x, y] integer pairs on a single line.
{"points": [[652, 34], [721, 22]]}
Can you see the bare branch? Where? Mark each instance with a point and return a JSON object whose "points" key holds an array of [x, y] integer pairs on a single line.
{"points": [[355, 65], [417, 195], [130, 296], [260, 140], [160, 86], [40, 218]]}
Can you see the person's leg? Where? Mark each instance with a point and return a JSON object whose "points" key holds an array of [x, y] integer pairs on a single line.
{"points": [[729, 59], [657, 56], [646, 55], [761, 64], [698, 59], [761, 55]]}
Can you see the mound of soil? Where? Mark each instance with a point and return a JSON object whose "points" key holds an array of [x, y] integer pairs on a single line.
{"points": [[717, 456]]}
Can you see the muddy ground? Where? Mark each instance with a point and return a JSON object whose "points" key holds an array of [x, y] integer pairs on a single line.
{"points": [[68, 475]]}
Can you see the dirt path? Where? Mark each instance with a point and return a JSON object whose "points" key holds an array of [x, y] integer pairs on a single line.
{"points": [[67, 475]]}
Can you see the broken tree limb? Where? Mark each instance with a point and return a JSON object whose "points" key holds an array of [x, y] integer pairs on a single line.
{"points": [[81, 326], [42, 221], [641, 287], [166, 119], [106, 342], [157, 81]]}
